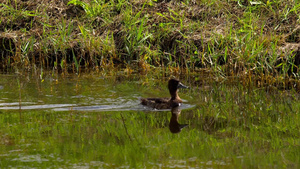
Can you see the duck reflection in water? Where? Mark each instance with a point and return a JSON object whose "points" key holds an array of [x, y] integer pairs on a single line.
{"points": [[166, 103], [174, 126]]}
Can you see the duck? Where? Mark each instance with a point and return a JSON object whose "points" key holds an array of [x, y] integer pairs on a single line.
{"points": [[166, 103], [174, 125]]}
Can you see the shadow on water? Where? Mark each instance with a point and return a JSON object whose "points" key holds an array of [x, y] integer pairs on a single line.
{"points": [[174, 125]]}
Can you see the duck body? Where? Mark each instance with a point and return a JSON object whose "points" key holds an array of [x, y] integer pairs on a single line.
{"points": [[160, 103], [166, 103]]}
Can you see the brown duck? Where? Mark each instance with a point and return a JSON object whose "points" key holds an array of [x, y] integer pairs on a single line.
{"points": [[166, 103]]}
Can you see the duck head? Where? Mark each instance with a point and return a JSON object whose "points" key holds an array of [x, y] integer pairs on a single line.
{"points": [[173, 86]]}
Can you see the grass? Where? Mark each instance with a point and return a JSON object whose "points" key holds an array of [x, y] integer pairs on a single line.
{"points": [[232, 37]]}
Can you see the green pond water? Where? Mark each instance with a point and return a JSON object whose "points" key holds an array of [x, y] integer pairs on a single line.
{"points": [[92, 121]]}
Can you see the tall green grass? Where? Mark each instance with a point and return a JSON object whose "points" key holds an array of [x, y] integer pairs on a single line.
{"points": [[233, 37]]}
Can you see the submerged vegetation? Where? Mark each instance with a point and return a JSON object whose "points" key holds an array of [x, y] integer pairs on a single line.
{"points": [[242, 38]]}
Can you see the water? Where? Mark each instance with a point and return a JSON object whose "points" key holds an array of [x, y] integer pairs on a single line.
{"points": [[90, 121], [71, 93]]}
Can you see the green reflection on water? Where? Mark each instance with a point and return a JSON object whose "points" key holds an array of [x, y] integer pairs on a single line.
{"points": [[229, 126]]}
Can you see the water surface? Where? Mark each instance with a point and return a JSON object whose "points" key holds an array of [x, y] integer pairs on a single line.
{"points": [[72, 93], [91, 121]]}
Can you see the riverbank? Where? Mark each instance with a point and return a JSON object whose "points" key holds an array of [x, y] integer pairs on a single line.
{"points": [[230, 38]]}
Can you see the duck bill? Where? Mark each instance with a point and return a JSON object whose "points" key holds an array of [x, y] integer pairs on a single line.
{"points": [[183, 126], [182, 86]]}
